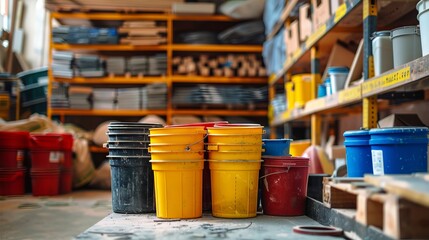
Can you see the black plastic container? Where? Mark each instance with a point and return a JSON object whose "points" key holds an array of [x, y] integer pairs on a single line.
{"points": [[130, 152], [128, 137], [132, 185], [127, 144]]}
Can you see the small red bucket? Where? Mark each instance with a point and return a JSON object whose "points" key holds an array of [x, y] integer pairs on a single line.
{"points": [[12, 181], [14, 140], [12, 158], [45, 182], [66, 180], [46, 159], [66, 140], [284, 185], [46, 141]]}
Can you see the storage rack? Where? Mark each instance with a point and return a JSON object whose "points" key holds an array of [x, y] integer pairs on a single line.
{"points": [[318, 45], [169, 48]]}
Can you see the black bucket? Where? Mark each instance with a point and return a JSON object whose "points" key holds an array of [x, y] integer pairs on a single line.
{"points": [[128, 144], [130, 152], [132, 185], [128, 137]]}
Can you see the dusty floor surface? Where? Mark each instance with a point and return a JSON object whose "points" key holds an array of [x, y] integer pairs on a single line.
{"points": [[60, 217]]}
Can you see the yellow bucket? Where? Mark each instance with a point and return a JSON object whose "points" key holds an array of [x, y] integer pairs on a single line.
{"points": [[297, 148], [251, 129], [290, 95], [178, 130], [178, 188], [182, 155], [243, 139], [235, 155], [194, 139], [234, 188], [234, 147], [302, 85], [166, 147]]}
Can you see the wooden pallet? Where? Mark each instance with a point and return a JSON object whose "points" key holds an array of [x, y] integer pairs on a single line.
{"points": [[395, 204]]}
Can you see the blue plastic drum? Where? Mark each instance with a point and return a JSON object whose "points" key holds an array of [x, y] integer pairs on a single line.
{"points": [[358, 153]]}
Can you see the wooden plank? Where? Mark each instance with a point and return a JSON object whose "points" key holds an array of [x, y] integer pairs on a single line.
{"points": [[335, 197], [369, 210], [410, 187], [404, 219]]}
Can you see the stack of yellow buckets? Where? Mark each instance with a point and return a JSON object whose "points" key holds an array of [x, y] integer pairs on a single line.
{"points": [[234, 152]]}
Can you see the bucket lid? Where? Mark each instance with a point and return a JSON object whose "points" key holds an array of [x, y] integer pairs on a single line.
{"points": [[405, 30], [381, 34], [338, 69], [354, 133], [425, 6], [389, 130]]}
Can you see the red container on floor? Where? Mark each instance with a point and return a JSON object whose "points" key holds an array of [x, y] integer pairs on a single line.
{"points": [[46, 159], [66, 180], [51, 141], [12, 181], [45, 182], [66, 140], [14, 140], [12, 158], [284, 185]]}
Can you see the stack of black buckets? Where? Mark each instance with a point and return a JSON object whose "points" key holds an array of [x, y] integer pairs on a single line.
{"points": [[132, 175]]}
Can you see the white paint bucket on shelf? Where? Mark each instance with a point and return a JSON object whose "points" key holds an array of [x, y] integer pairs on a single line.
{"points": [[382, 52], [338, 77], [406, 44], [423, 17]]}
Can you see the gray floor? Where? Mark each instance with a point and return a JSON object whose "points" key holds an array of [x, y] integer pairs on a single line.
{"points": [[59, 217], [147, 226]]}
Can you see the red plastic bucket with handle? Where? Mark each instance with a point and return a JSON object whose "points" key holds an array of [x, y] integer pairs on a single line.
{"points": [[46, 159], [284, 185], [49, 141], [45, 182], [12, 181]]}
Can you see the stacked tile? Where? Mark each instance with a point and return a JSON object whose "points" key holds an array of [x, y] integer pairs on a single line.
{"points": [[59, 97], [137, 65], [143, 33], [62, 64], [115, 65], [79, 97], [129, 98], [154, 96], [104, 98], [157, 64], [89, 66]]}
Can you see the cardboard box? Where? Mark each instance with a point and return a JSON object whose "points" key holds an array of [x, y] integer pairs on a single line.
{"points": [[321, 12], [305, 24], [292, 38], [340, 56], [398, 120]]}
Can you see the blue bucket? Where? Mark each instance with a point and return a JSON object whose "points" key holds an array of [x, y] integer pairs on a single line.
{"points": [[358, 153], [399, 150], [276, 147]]}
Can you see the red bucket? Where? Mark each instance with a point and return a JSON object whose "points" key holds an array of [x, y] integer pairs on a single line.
{"points": [[12, 181], [284, 185], [12, 158], [49, 141], [45, 182], [66, 141], [67, 161], [46, 159], [14, 140], [66, 180]]}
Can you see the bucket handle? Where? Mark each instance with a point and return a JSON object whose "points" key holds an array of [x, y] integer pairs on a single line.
{"points": [[188, 146], [274, 173]]}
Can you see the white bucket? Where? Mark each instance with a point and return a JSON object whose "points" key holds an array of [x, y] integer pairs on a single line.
{"points": [[338, 76], [423, 17], [406, 44], [382, 52]]}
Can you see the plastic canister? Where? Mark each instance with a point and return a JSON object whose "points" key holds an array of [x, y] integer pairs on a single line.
{"points": [[382, 52], [406, 44], [423, 17], [358, 153], [338, 77], [399, 150]]}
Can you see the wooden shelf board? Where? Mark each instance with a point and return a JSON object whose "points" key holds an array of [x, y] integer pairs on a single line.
{"points": [[202, 79], [109, 16], [214, 18], [113, 80], [108, 47], [209, 112], [216, 48], [76, 112]]}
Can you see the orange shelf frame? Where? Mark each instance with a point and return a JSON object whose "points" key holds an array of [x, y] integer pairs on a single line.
{"points": [[232, 80]]}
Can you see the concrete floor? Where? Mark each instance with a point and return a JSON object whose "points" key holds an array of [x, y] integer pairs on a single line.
{"points": [[60, 217]]}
